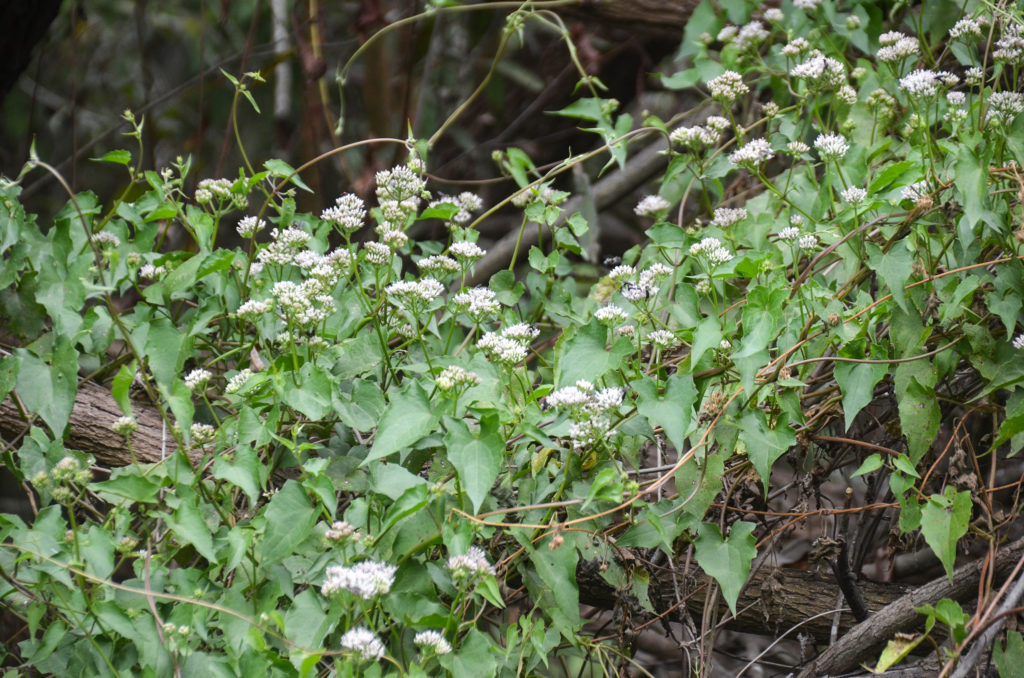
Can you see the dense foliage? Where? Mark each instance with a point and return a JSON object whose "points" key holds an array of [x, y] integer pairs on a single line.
{"points": [[373, 468]]}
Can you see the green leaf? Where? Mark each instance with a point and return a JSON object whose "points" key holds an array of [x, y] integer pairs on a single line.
{"points": [[764, 443], [128, 482], [97, 547], [698, 486], [871, 464], [188, 526], [166, 349], [312, 398], [895, 651], [475, 456], [120, 157], [1009, 659], [889, 175], [728, 561], [919, 408], [245, 471], [279, 168], [970, 175], [473, 658], [408, 418], [49, 389], [392, 480], [856, 381], [290, 517], [583, 355], [557, 593], [894, 267], [672, 410], [120, 388], [8, 375], [707, 335], [944, 520]]}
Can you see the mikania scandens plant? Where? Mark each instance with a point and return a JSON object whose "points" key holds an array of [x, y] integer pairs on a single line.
{"points": [[450, 444]]}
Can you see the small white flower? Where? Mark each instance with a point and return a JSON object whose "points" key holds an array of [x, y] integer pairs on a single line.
{"points": [[900, 48], [965, 27], [106, 239], [621, 271], [921, 83], [808, 242], [974, 76], [471, 565], [651, 206], [750, 36], [661, 338], [727, 33], [197, 379], [466, 252], [1005, 105], [831, 146], [611, 315], [807, 5], [238, 381], [1018, 343], [346, 215], [717, 123], [250, 226], [438, 266], [796, 47], [728, 87], [797, 148], [151, 272], [367, 579], [362, 642], [454, 377], [694, 137], [753, 154], [854, 195], [432, 640], [847, 95], [202, 434], [725, 216], [478, 303], [774, 15], [252, 309], [915, 191], [789, 234], [725, 344], [377, 252], [956, 98], [124, 426]]}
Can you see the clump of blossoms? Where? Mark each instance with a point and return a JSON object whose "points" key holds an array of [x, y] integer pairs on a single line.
{"points": [[414, 296], [438, 266], [346, 215], [399, 192], [752, 155], [302, 305], [728, 216], [250, 226], [712, 250], [454, 380], [363, 643], [651, 206], [728, 87], [1010, 46], [466, 253], [589, 410], [831, 146], [432, 641], [896, 46], [284, 245], [236, 382], [695, 137], [479, 303], [1018, 342], [820, 72], [644, 288], [367, 579], [1004, 106], [854, 195], [197, 379], [465, 202], [511, 345], [470, 566], [220, 191], [611, 315]]}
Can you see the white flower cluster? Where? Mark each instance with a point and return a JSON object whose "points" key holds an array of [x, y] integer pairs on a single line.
{"points": [[589, 409], [645, 287], [831, 146], [750, 36], [712, 249], [250, 226], [694, 137], [151, 272], [753, 154], [197, 379], [478, 303], [454, 378], [346, 215], [796, 47], [362, 642], [651, 206], [284, 245], [414, 295], [238, 381], [253, 309], [1018, 342], [1010, 46], [611, 315], [808, 242], [466, 252], [854, 195], [124, 426], [728, 87], [774, 15], [398, 195], [438, 266], [367, 579], [220, 189], [661, 338], [789, 234], [202, 434], [377, 252], [896, 46], [807, 5], [433, 641], [466, 202], [1005, 105], [542, 194], [471, 565], [921, 83], [964, 28], [304, 305], [820, 72], [106, 239], [341, 530], [797, 148], [511, 345], [728, 216]]}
